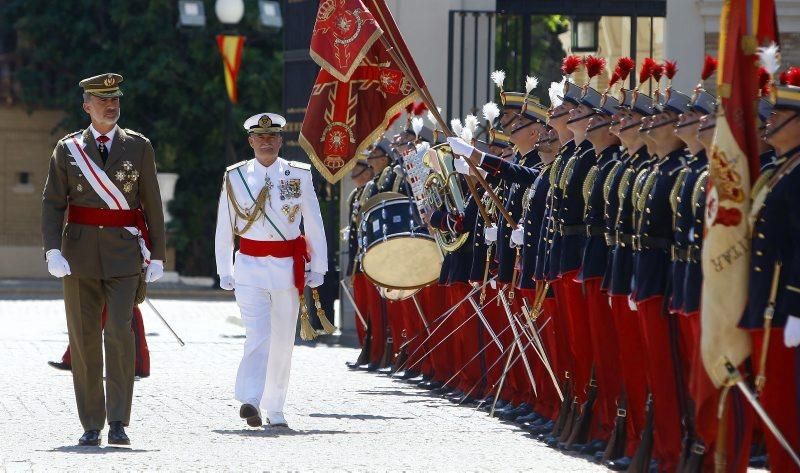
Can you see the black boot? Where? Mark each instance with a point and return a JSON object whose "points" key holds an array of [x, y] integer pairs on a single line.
{"points": [[116, 434]]}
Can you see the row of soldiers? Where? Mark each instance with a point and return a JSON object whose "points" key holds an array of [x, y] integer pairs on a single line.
{"points": [[586, 263]]}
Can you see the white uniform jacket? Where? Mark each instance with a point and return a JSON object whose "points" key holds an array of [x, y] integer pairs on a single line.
{"points": [[291, 201]]}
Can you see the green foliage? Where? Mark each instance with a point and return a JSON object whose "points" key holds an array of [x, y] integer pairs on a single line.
{"points": [[174, 90], [546, 52]]}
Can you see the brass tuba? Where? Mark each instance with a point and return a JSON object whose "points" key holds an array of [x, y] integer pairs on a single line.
{"points": [[442, 189]]}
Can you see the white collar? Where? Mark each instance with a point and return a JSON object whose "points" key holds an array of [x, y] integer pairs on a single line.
{"points": [[111, 134]]}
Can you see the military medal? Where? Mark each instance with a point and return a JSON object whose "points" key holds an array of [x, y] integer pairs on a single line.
{"points": [[289, 189], [290, 212]]}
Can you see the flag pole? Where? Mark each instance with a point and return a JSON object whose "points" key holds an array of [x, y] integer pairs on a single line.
{"points": [[428, 99]]}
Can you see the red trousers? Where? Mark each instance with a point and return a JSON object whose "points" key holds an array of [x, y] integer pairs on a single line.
{"points": [[559, 321], [662, 382], [142, 368], [546, 401], [361, 287], [633, 368], [605, 353], [432, 306], [551, 402], [378, 321], [780, 396], [466, 341], [495, 361], [573, 301]]}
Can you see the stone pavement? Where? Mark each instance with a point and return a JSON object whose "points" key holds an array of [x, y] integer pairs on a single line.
{"points": [[185, 418]]}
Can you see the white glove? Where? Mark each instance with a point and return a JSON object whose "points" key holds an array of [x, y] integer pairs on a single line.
{"points": [[518, 236], [460, 147], [57, 264], [154, 271], [226, 282], [490, 234], [631, 304], [345, 233], [461, 166], [314, 279], [791, 333]]}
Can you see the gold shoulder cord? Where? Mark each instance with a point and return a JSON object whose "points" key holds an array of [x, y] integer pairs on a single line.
{"points": [[674, 194], [556, 167], [250, 215], [699, 187], [610, 179], [644, 194], [567, 174], [622, 190], [588, 183]]}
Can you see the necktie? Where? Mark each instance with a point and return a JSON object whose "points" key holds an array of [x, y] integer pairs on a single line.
{"points": [[103, 139]]}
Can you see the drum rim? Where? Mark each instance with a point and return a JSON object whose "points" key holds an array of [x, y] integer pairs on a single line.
{"points": [[389, 286], [415, 291], [383, 197]]}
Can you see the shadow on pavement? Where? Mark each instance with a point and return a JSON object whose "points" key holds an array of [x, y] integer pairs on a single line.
{"points": [[395, 392], [278, 432], [96, 450], [356, 416]]}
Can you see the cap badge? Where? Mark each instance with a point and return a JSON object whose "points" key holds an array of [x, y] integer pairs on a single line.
{"points": [[265, 122], [109, 80]]}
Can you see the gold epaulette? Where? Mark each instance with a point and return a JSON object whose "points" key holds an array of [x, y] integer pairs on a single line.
{"points": [[762, 180], [299, 165], [644, 193], [234, 166], [624, 184], [69, 135], [610, 179], [567, 174], [699, 188], [352, 197], [366, 193], [677, 187], [383, 177], [588, 183], [526, 197], [554, 169]]}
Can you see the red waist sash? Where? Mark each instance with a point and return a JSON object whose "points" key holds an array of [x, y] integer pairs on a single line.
{"points": [[109, 218], [295, 249]]}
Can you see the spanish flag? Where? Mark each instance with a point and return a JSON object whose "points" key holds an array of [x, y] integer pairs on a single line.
{"points": [[230, 47]]}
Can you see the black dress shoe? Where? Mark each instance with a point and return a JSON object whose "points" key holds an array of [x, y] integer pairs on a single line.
{"points": [[544, 428], [373, 366], [354, 365], [408, 374], [116, 434], [250, 413], [758, 461], [529, 417], [593, 447], [619, 464], [387, 371], [60, 365], [466, 401], [551, 441], [519, 411], [90, 438]]}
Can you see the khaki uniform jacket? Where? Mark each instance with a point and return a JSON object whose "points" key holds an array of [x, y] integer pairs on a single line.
{"points": [[103, 252]]}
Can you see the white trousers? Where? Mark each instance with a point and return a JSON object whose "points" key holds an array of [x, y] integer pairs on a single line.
{"points": [[270, 321]]}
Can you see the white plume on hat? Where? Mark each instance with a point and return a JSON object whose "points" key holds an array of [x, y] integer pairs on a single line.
{"points": [[770, 57], [467, 134], [471, 123], [530, 83], [556, 91], [498, 77], [416, 125], [456, 126], [490, 112]]}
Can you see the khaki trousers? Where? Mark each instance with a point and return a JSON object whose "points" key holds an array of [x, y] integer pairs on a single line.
{"points": [[84, 299]]}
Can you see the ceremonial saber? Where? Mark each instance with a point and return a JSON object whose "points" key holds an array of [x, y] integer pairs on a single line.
{"points": [[486, 323], [421, 313], [439, 321], [147, 299], [511, 320], [353, 302], [541, 351], [502, 350], [498, 360], [440, 341], [736, 377]]}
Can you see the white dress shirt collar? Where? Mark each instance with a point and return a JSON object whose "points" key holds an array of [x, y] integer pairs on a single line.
{"points": [[111, 134]]}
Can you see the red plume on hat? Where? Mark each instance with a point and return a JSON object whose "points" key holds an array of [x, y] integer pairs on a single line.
{"points": [[763, 81], [670, 69], [657, 71], [613, 80], [410, 107], [710, 66], [646, 72], [570, 64], [594, 66], [624, 67], [420, 108]]}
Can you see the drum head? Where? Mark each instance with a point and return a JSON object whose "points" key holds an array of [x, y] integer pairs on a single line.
{"points": [[382, 197], [403, 262], [396, 294]]}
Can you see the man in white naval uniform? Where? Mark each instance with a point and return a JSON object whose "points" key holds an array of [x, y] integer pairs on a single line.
{"points": [[263, 201]]}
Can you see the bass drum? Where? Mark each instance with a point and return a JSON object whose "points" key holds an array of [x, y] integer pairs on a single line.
{"points": [[396, 294], [399, 252]]}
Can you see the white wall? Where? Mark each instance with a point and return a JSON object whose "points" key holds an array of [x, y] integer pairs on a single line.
{"points": [[684, 40]]}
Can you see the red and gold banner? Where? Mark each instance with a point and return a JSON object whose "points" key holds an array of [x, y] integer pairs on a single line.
{"points": [[343, 33], [230, 47], [733, 165], [343, 118]]}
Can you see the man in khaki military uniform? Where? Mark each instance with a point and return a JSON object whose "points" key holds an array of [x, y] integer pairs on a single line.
{"points": [[103, 179]]}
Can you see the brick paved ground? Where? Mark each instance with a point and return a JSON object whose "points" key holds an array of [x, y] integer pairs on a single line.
{"points": [[184, 416]]}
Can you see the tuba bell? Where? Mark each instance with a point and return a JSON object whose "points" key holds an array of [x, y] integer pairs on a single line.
{"points": [[437, 186]]}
